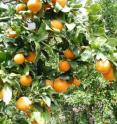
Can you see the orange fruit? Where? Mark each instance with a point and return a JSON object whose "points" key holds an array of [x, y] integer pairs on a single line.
{"points": [[20, 7], [61, 2], [103, 66], [76, 81], [26, 80], [19, 58], [56, 24], [60, 85], [31, 57], [23, 104], [64, 66], [25, 1], [34, 5], [11, 34], [49, 83], [69, 54], [110, 75]]}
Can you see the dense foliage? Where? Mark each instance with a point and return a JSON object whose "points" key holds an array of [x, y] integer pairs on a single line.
{"points": [[51, 55]]}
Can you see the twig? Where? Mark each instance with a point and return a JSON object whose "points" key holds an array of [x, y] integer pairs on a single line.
{"points": [[8, 1], [4, 19]]}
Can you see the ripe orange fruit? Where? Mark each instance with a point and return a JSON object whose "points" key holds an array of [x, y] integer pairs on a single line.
{"points": [[34, 5], [103, 66], [20, 7], [23, 104], [64, 66], [31, 57], [26, 80], [49, 83], [19, 58], [56, 24], [76, 81], [11, 34], [61, 2], [25, 1], [110, 75], [69, 54], [60, 85]]}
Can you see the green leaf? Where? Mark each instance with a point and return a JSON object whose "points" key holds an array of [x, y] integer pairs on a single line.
{"points": [[58, 7], [7, 94], [97, 42], [42, 33], [26, 69], [86, 55], [94, 8], [66, 9], [2, 56], [38, 117], [47, 100], [112, 42], [3, 6], [70, 26]]}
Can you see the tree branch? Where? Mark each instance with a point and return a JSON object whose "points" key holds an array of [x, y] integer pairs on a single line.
{"points": [[4, 19], [8, 1]]}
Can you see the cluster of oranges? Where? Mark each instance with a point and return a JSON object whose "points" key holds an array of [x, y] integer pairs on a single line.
{"points": [[25, 80], [60, 85], [106, 69], [20, 58], [24, 103], [34, 7]]}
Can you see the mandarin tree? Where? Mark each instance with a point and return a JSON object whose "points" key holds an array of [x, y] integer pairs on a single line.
{"points": [[58, 62]]}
